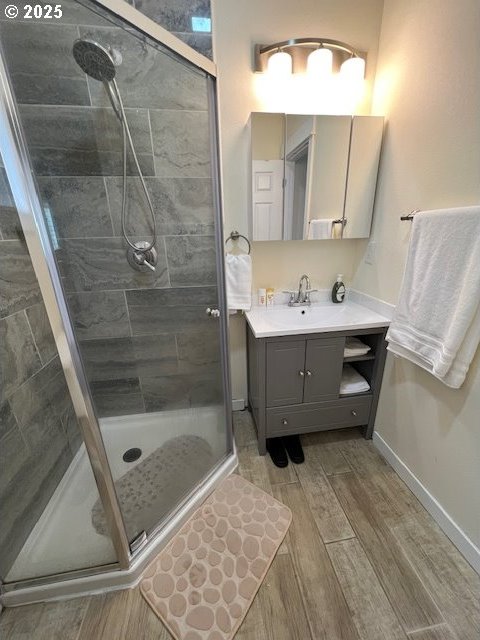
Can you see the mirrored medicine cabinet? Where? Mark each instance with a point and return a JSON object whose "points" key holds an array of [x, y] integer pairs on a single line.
{"points": [[313, 176]]}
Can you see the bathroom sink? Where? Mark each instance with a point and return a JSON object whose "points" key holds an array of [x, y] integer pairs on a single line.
{"points": [[282, 320]]}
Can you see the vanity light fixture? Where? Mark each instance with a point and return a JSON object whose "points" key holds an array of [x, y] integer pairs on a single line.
{"points": [[319, 62], [318, 56], [353, 69], [280, 64]]}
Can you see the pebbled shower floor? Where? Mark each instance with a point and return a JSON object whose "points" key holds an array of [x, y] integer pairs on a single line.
{"points": [[71, 533]]}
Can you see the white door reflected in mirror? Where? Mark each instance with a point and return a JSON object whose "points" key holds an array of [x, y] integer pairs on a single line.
{"points": [[267, 188]]}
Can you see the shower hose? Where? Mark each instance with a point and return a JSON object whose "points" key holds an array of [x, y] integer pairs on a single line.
{"points": [[127, 137]]}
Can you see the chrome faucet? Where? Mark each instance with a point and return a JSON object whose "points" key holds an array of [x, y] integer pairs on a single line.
{"points": [[302, 296]]}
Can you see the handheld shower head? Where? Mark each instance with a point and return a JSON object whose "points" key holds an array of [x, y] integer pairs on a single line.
{"points": [[99, 63], [95, 60]]}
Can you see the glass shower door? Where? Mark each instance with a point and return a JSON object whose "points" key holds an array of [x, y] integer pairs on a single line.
{"points": [[47, 487], [101, 149]]}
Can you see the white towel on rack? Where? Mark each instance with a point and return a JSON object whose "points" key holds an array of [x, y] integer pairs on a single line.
{"points": [[238, 271], [320, 229], [436, 323]]}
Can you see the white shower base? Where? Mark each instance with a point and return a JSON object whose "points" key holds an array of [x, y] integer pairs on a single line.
{"points": [[64, 538]]}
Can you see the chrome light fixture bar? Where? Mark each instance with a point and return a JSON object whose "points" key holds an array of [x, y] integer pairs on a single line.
{"points": [[300, 50]]}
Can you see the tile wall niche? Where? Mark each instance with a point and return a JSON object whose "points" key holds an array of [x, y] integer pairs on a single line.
{"points": [[39, 434], [146, 342]]}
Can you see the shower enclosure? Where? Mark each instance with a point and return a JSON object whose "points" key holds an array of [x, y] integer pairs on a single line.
{"points": [[114, 400]]}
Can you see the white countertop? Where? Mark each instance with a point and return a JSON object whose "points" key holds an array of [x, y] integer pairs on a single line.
{"points": [[282, 320]]}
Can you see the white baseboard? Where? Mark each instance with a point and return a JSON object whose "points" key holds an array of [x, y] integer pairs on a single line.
{"points": [[238, 405], [467, 548]]}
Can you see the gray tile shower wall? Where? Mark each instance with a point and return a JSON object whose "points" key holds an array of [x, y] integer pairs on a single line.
{"points": [[178, 16], [83, 141], [145, 82], [39, 434], [131, 346], [28, 58]]}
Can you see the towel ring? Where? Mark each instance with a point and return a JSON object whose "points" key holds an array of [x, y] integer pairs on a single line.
{"points": [[234, 235]]}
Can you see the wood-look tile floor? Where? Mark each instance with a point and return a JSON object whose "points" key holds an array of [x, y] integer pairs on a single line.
{"points": [[362, 561]]}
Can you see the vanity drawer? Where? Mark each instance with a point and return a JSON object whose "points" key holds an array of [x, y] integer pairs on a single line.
{"points": [[346, 412]]}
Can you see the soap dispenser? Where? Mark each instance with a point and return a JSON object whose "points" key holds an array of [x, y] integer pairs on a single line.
{"points": [[338, 291]]}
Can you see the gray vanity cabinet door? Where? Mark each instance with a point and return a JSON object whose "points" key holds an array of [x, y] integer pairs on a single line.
{"points": [[323, 369], [285, 372]]}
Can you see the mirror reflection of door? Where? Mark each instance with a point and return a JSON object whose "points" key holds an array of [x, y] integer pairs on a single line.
{"points": [[295, 196], [268, 136], [267, 187], [299, 135]]}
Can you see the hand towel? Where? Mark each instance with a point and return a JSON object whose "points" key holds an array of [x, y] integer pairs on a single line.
{"points": [[238, 271], [355, 347], [436, 323], [352, 382], [320, 229]]}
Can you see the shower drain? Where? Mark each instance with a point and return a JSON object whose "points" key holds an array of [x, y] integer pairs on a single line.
{"points": [[131, 455]]}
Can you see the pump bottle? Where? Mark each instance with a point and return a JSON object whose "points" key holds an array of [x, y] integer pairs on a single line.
{"points": [[338, 290]]}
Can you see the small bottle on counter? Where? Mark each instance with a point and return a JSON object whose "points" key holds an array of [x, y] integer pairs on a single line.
{"points": [[262, 297], [270, 296], [338, 291]]}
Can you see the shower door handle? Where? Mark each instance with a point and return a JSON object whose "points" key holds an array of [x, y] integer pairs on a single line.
{"points": [[213, 313]]}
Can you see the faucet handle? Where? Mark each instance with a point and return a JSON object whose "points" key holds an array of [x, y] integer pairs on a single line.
{"points": [[148, 264], [140, 257], [292, 294], [307, 294]]}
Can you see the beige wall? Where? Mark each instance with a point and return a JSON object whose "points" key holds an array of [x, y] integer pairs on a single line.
{"points": [[268, 132], [238, 25], [428, 87]]}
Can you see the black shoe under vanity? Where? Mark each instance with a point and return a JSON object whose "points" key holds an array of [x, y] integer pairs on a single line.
{"points": [[294, 449], [276, 449]]}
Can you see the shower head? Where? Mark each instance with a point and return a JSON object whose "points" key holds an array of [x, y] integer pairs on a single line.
{"points": [[95, 60]]}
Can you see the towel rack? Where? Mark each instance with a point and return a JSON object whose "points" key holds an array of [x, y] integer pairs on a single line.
{"points": [[410, 215], [339, 221], [234, 235]]}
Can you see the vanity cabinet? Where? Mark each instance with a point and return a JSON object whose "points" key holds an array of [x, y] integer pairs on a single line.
{"points": [[306, 370], [294, 383]]}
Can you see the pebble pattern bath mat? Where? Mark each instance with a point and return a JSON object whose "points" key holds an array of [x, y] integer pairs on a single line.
{"points": [[148, 490], [202, 584]]}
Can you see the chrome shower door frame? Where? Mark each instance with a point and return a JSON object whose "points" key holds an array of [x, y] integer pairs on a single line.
{"points": [[20, 175]]}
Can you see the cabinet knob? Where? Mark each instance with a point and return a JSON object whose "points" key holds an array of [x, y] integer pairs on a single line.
{"points": [[301, 373], [309, 373], [354, 413], [213, 313], [284, 421]]}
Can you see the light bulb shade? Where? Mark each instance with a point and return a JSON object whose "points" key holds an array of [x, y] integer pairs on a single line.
{"points": [[353, 69], [319, 62], [280, 64]]}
